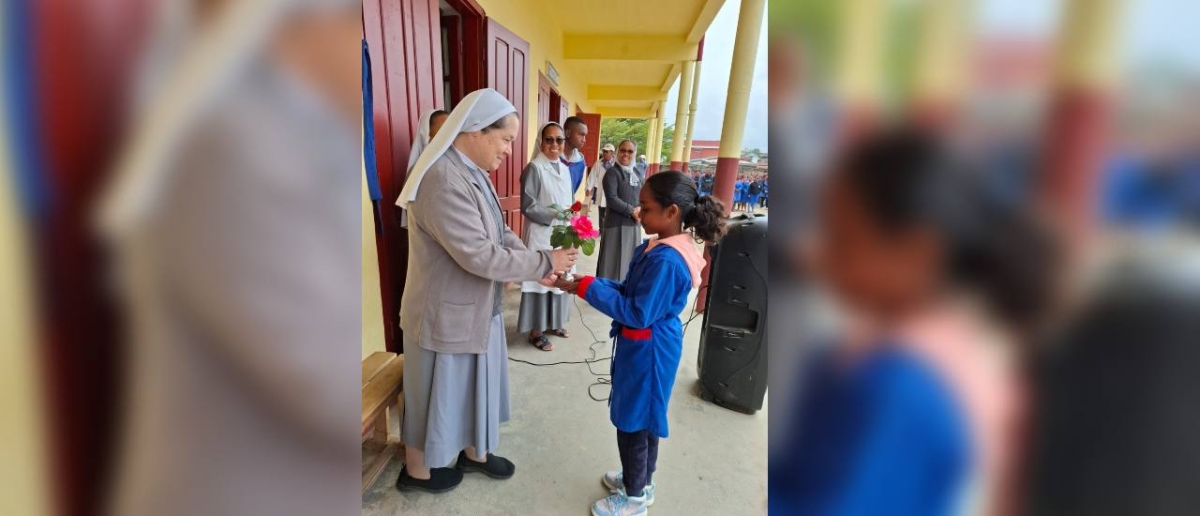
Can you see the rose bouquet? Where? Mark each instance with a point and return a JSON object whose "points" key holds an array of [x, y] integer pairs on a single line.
{"points": [[573, 229]]}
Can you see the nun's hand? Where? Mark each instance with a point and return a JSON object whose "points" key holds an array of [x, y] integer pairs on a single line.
{"points": [[549, 281], [637, 214], [564, 259]]}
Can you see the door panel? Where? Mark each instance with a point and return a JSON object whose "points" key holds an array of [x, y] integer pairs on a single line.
{"points": [[508, 73], [405, 42], [545, 98], [564, 110], [591, 149]]}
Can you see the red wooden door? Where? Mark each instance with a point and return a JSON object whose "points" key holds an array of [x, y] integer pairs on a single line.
{"points": [[405, 42], [591, 149], [545, 100], [564, 110], [508, 73]]}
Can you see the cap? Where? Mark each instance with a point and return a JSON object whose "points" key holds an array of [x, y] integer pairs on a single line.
{"points": [[608, 147]]}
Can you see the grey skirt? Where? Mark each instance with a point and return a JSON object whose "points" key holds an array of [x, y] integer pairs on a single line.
{"points": [[616, 251], [547, 311], [455, 401]]}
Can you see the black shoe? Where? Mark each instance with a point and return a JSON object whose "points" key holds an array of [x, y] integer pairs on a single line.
{"points": [[495, 467], [440, 480]]}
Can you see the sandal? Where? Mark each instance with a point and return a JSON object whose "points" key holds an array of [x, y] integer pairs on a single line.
{"points": [[559, 333], [542, 343]]}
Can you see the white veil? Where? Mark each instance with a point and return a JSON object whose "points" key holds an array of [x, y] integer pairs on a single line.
{"points": [[422, 139], [537, 146], [477, 110]]}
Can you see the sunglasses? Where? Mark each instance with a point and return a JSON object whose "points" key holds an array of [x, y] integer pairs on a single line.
{"points": [[625, 151], [550, 140]]}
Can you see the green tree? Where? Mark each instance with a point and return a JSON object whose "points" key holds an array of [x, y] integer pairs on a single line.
{"points": [[614, 130]]}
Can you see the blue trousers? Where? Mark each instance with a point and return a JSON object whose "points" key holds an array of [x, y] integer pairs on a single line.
{"points": [[639, 455]]}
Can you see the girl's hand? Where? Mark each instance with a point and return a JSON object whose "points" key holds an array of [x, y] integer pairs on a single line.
{"points": [[566, 286]]}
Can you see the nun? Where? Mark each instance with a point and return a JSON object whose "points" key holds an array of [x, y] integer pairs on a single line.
{"points": [[431, 121], [545, 183], [620, 231], [460, 255]]}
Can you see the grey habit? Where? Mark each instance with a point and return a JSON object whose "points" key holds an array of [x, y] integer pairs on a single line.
{"points": [[541, 308], [452, 401], [620, 234]]}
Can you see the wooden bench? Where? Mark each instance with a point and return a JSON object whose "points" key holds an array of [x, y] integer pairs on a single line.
{"points": [[382, 379]]}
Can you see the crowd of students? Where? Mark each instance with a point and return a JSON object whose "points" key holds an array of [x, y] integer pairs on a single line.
{"points": [[750, 192]]}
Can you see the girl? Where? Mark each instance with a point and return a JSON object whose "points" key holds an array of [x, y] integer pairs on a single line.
{"points": [[649, 337], [912, 413]]}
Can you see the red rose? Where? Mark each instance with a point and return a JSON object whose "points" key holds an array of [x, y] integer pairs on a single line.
{"points": [[576, 207]]}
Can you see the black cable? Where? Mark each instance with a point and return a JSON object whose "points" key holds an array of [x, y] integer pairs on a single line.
{"points": [[696, 304], [600, 377]]}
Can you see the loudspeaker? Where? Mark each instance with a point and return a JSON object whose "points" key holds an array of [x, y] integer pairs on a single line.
{"points": [[733, 342]]}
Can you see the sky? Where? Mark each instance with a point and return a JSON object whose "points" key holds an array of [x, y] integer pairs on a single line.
{"points": [[1150, 31], [714, 82], [1162, 31]]}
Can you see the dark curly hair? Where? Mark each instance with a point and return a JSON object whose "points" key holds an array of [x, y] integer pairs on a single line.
{"points": [[908, 178], [704, 215]]}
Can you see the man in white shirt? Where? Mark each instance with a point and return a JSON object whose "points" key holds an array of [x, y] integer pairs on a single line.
{"points": [[595, 185]]}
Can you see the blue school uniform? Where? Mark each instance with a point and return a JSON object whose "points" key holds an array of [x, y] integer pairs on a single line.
{"points": [[577, 169], [885, 436], [645, 310], [753, 198], [739, 192]]}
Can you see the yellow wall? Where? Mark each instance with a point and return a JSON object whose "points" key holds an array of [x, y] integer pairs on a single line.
{"points": [[529, 20], [22, 463], [372, 304]]}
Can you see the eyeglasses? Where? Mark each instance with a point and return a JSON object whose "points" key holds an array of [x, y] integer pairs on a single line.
{"points": [[550, 140], [625, 151]]}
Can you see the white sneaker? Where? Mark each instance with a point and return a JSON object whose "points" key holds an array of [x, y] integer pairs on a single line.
{"points": [[617, 504], [615, 482]]}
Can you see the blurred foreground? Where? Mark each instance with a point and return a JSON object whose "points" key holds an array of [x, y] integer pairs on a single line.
{"points": [[993, 258], [182, 199]]}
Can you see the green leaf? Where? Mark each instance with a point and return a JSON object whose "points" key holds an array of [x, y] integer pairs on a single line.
{"points": [[588, 247], [556, 239]]}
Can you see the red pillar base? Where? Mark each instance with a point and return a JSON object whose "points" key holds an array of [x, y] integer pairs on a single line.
{"points": [[723, 185], [676, 165], [652, 168], [1078, 128]]}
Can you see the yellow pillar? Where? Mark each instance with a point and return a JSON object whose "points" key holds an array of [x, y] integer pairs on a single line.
{"points": [[741, 77], [658, 134], [859, 62], [1080, 114], [940, 77], [648, 150], [691, 123], [681, 113]]}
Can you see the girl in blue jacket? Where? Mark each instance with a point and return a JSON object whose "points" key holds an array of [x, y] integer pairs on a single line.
{"points": [[645, 309]]}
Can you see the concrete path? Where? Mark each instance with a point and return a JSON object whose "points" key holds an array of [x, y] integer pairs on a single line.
{"points": [[561, 441]]}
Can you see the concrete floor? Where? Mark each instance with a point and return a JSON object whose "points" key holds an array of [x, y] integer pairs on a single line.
{"points": [[715, 461]]}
